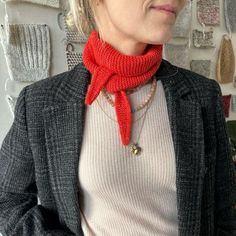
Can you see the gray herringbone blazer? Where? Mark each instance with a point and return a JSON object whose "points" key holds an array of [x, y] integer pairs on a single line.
{"points": [[40, 154]]}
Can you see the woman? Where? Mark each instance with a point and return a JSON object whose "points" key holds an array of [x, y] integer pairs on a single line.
{"points": [[123, 144]]}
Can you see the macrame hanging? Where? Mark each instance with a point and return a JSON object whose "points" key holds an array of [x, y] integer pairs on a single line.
{"points": [[225, 66]]}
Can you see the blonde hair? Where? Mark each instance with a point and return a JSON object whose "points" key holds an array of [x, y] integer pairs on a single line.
{"points": [[82, 16]]}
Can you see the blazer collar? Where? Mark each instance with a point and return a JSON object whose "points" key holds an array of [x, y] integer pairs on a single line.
{"points": [[76, 83], [64, 122]]}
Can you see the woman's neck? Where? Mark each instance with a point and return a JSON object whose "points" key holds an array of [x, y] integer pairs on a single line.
{"points": [[124, 44]]}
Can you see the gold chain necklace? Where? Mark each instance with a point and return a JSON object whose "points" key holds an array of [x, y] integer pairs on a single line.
{"points": [[152, 90], [135, 149]]}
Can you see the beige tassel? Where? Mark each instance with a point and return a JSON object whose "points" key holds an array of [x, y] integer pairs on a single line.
{"points": [[225, 66]]}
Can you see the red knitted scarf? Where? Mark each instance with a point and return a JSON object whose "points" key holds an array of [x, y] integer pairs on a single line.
{"points": [[117, 72]]}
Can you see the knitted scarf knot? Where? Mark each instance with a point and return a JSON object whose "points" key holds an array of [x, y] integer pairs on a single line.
{"points": [[116, 73]]}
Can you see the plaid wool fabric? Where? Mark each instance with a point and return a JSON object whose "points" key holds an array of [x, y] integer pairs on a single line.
{"points": [[40, 154]]}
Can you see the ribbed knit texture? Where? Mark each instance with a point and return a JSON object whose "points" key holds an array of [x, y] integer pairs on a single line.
{"points": [[48, 3], [125, 195], [27, 49], [118, 72]]}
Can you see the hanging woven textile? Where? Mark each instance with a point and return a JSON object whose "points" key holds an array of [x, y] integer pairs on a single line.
{"points": [[203, 39], [230, 15], [208, 12], [72, 34], [225, 66], [72, 57], [27, 50]]}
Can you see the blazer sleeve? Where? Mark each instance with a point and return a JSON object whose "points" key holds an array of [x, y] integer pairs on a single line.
{"points": [[225, 174], [19, 212]]}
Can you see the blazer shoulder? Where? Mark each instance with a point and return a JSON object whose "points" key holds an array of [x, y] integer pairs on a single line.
{"points": [[68, 86], [46, 87], [201, 85]]}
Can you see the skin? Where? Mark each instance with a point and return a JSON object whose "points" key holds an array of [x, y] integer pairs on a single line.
{"points": [[129, 26]]}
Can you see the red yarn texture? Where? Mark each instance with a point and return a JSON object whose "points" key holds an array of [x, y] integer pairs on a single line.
{"points": [[117, 72]]}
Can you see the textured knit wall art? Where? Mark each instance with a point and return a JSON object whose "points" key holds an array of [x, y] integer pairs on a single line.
{"points": [[225, 66], [226, 103], [203, 39], [72, 34], [183, 22], [202, 67], [72, 57], [173, 53], [208, 12], [230, 15], [11, 100], [48, 3], [233, 103], [27, 50]]}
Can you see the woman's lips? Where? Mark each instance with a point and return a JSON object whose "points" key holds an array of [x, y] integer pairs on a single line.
{"points": [[165, 8]]}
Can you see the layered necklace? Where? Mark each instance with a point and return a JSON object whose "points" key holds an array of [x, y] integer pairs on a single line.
{"points": [[135, 148]]}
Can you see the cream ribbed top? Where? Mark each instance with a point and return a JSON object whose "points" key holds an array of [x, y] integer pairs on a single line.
{"points": [[123, 194]]}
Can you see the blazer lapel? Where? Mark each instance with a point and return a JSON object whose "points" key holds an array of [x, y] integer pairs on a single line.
{"points": [[188, 136], [64, 122], [187, 128]]}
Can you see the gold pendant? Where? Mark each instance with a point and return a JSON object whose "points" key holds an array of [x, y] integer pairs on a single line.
{"points": [[135, 149]]}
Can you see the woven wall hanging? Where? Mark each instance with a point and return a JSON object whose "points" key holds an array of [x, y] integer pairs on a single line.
{"points": [[48, 3], [225, 66], [208, 12], [183, 22], [203, 39], [27, 50], [173, 53], [72, 57], [230, 15], [202, 67], [72, 34]]}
